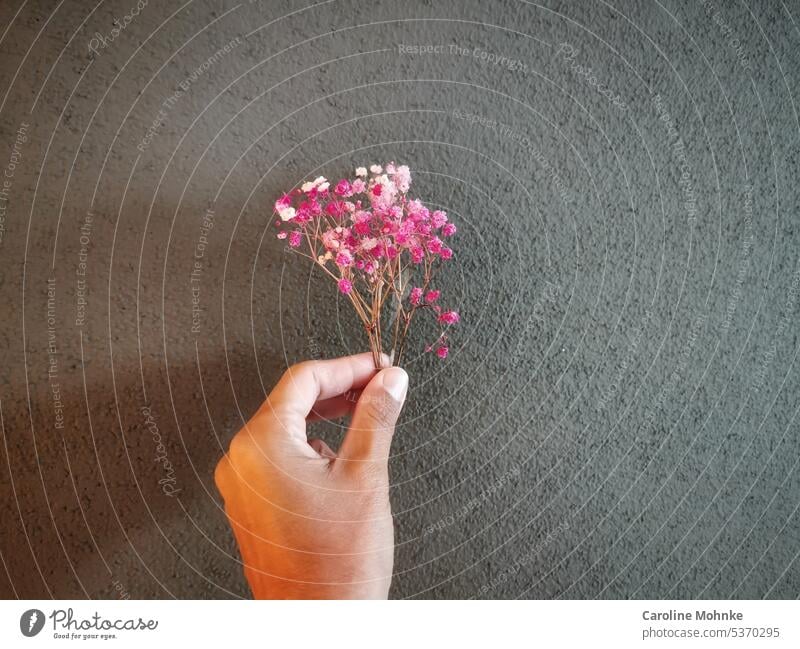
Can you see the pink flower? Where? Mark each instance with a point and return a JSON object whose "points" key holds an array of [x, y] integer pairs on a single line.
{"points": [[329, 240], [401, 177], [414, 206], [435, 245], [449, 317], [382, 237], [368, 243], [344, 259], [282, 203], [343, 188], [336, 208], [382, 194], [307, 209]]}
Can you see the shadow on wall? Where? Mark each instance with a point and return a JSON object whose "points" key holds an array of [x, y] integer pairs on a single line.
{"points": [[93, 496]]}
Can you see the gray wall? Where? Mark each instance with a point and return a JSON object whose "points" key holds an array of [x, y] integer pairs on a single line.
{"points": [[618, 417]]}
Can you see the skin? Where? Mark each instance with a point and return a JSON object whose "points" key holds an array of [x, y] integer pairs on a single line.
{"points": [[311, 523]]}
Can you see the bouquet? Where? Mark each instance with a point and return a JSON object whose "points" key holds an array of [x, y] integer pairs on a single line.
{"points": [[382, 248]]}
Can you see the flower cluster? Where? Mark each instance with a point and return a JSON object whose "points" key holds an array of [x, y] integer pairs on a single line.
{"points": [[378, 244]]}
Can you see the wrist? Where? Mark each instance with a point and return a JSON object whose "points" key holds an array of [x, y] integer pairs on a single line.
{"points": [[274, 588]]}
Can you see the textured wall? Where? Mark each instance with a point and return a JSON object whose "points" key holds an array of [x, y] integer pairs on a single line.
{"points": [[618, 417]]}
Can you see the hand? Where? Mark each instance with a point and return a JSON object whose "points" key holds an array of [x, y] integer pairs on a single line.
{"points": [[311, 523]]}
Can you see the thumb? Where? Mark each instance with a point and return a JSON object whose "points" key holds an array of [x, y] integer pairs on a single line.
{"points": [[375, 416]]}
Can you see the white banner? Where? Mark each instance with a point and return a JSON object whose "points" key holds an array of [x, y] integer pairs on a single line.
{"points": [[400, 624]]}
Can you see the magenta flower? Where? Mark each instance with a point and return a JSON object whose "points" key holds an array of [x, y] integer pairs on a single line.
{"points": [[442, 351], [438, 219], [344, 259], [295, 237], [343, 188], [431, 296], [449, 317], [417, 254], [415, 297], [435, 245], [345, 285], [448, 230]]}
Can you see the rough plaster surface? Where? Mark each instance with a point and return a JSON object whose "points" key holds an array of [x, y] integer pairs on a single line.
{"points": [[618, 417]]}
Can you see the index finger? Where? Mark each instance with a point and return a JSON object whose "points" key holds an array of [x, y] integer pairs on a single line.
{"points": [[302, 385]]}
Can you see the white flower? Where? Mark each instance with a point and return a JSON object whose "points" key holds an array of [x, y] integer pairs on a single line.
{"points": [[376, 169], [369, 243], [361, 171], [323, 186], [287, 213], [317, 182]]}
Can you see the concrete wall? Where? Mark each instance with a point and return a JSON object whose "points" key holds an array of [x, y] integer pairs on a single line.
{"points": [[618, 415]]}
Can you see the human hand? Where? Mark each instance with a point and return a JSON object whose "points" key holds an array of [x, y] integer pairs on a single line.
{"points": [[311, 523]]}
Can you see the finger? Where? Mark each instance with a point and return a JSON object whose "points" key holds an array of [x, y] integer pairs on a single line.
{"points": [[334, 408], [322, 448], [375, 416], [302, 385]]}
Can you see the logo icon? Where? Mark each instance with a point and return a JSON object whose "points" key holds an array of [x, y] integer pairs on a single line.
{"points": [[31, 622]]}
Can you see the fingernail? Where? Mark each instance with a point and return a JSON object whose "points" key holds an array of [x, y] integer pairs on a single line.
{"points": [[395, 381]]}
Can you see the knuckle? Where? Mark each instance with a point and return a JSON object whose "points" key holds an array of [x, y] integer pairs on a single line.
{"points": [[239, 447], [298, 369], [221, 473]]}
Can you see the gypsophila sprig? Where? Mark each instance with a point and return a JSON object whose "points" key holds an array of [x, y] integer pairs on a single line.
{"points": [[381, 247]]}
